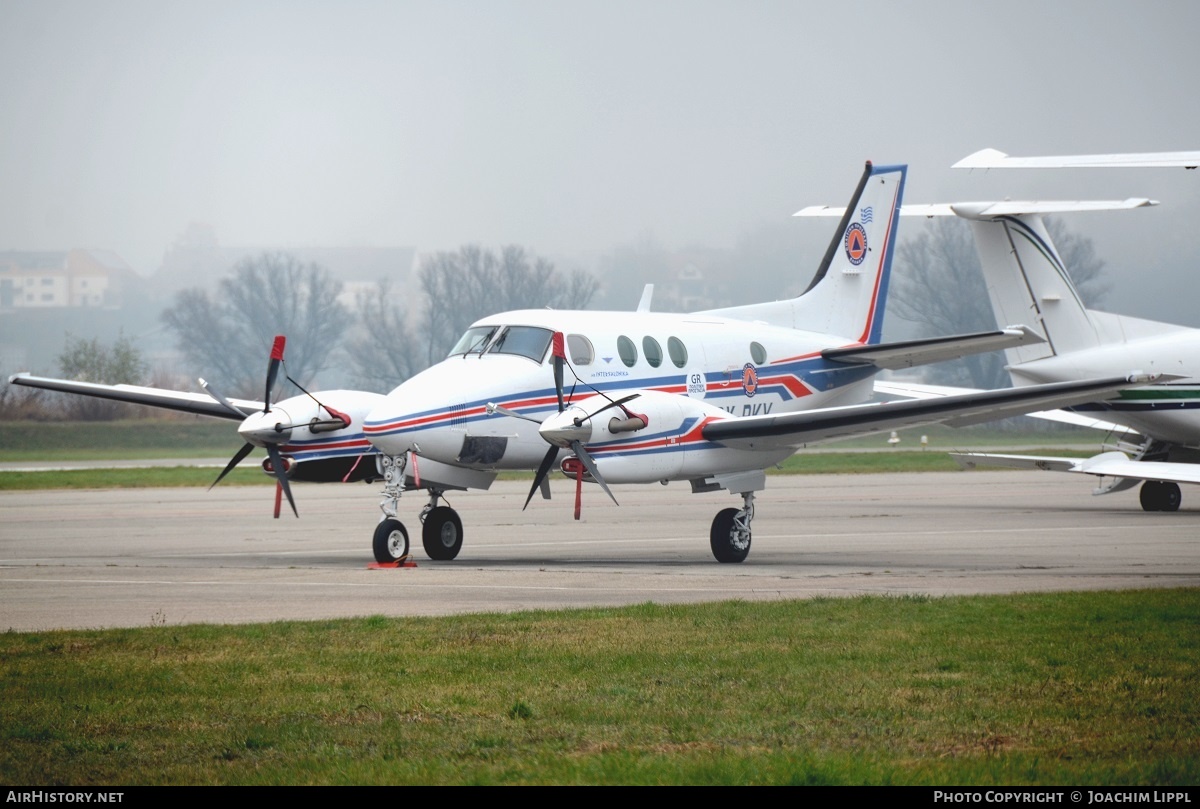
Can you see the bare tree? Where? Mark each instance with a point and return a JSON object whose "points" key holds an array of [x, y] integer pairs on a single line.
{"points": [[472, 282], [938, 285], [458, 288], [228, 335], [385, 352]]}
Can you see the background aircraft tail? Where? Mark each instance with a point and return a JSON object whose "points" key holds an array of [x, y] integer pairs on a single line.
{"points": [[1028, 283], [1026, 279], [847, 295]]}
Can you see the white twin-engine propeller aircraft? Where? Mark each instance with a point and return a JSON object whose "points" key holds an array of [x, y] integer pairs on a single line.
{"points": [[711, 398]]}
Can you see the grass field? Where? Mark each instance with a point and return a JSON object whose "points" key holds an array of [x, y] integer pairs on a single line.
{"points": [[58, 442], [198, 437], [193, 437], [1075, 688]]}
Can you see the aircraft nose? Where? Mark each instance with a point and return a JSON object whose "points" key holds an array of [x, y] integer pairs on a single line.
{"points": [[272, 427], [386, 427]]}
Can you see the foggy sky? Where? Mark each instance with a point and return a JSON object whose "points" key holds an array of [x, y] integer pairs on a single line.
{"points": [[573, 127]]}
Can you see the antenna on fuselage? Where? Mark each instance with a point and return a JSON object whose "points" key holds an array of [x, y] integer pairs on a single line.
{"points": [[647, 294]]}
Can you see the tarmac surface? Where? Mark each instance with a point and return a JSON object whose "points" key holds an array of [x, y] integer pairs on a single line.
{"points": [[145, 557]]}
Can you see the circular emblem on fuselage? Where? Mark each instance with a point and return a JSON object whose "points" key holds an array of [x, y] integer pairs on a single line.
{"points": [[856, 244], [749, 379]]}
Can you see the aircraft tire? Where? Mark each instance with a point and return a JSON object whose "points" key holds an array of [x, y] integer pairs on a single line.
{"points": [[1148, 496], [442, 534], [721, 538], [391, 541], [1171, 497], [1157, 495]]}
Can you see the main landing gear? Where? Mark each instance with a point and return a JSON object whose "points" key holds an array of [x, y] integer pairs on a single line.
{"points": [[441, 530], [1158, 495], [730, 533]]}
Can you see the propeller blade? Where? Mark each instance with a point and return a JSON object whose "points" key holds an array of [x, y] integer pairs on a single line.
{"points": [[237, 459], [492, 409], [590, 465], [579, 421], [221, 400], [273, 370], [560, 357], [281, 476], [543, 470]]}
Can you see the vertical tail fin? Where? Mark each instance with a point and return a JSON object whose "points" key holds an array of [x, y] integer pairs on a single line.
{"points": [[1027, 282], [847, 295]]}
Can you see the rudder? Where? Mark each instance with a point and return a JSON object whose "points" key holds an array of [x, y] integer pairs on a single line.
{"points": [[1027, 282]]}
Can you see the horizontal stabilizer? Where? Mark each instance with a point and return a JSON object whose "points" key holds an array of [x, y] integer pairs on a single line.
{"points": [[909, 353], [198, 403], [994, 159]]}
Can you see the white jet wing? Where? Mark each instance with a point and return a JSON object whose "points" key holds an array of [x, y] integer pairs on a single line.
{"points": [[995, 159], [992, 209], [909, 390], [770, 432], [1106, 464]]}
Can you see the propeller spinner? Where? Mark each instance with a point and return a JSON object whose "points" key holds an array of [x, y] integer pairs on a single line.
{"points": [[569, 428], [267, 429]]}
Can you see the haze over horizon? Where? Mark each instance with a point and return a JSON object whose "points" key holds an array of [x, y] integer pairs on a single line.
{"points": [[574, 128]]}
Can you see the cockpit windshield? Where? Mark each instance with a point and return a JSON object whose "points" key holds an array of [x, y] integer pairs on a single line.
{"points": [[475, 340], [527, 341]]}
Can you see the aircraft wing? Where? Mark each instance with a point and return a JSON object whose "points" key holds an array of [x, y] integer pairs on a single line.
{"points": [[909, 390], [199, 403], [1106, 464], [806, 427], [907, 353], [995, 159], [995, 208]]}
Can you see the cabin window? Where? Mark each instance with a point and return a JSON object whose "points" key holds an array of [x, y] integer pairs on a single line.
{"points": [[475, 340], [526, 341], [627, 351], [653, 351], [580, 349], [758, 354], [678, 351]]}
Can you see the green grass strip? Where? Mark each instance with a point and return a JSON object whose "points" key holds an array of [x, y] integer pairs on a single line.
{"points": [[144, 478], [171, 477], [1072, 688]]}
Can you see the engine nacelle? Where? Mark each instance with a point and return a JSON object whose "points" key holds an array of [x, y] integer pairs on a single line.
{"points": [[306, 433], [662, 448]]}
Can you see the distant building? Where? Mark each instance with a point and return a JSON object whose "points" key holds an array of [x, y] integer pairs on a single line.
{"points": [[44, 279]]}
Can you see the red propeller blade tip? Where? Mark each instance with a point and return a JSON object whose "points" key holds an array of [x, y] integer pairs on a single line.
{"points": [[277, 348], [559, 347]]}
